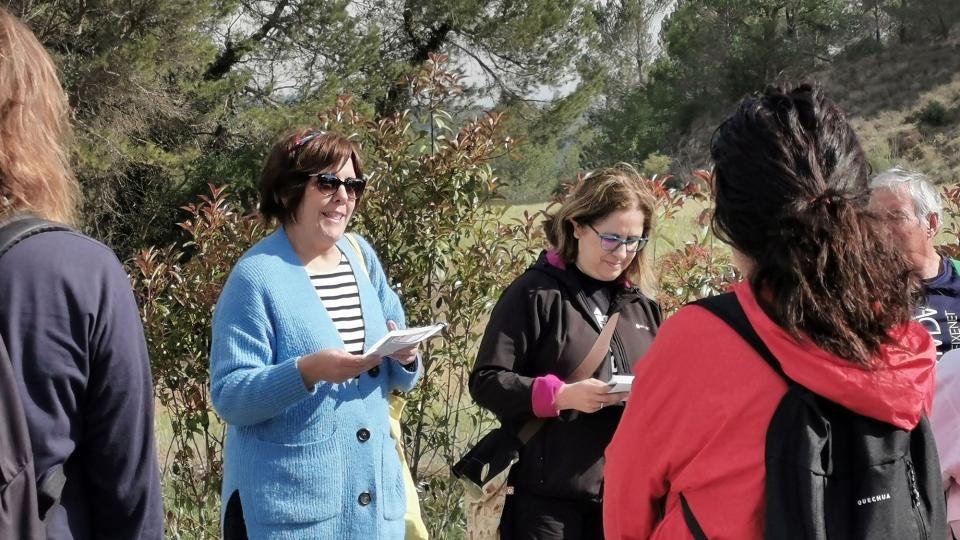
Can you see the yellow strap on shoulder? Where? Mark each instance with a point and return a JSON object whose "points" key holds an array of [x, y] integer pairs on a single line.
{"points": [[356, 248]]}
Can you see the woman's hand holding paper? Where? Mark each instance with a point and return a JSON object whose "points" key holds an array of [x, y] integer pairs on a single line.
{"points": [[404, 356]]}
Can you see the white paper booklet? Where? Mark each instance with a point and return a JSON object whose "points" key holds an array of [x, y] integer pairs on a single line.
{"points": [[620, 383], [401, 339]]}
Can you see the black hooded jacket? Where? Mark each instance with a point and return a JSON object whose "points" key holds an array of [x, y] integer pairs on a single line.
{"points": [[544, 324]]}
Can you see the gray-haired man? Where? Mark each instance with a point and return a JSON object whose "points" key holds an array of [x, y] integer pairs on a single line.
{"points": [[913, 207]]}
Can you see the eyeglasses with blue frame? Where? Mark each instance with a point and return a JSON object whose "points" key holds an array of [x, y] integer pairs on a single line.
{"points": [[612, 242]]}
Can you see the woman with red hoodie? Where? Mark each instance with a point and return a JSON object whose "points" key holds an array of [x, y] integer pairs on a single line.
{"points": [[826, 292]]}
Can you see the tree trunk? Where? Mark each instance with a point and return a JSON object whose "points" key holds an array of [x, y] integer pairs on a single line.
{"points": [[396, 99], [876, 18], [235, 51], [903, 21]]}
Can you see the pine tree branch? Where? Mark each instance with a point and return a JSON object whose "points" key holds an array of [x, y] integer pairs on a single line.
{"points": [[235, 51]]}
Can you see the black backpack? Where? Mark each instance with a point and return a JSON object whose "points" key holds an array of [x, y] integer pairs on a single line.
{"points": [[22, 508], [835, 474]]}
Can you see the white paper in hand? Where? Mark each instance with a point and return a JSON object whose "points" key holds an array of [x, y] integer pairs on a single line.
{"points": [[620, 383], [396, 340]]}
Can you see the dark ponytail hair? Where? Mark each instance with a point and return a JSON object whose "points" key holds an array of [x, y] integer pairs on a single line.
{"points": [[791, 191]]}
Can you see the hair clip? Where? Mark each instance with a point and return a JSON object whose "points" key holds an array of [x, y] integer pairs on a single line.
{"points": [[307, 138], [828, 197]]}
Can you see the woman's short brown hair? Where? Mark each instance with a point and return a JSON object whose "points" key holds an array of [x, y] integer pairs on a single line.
{"points": [[34, 168], [594, 198], [295, 156]]}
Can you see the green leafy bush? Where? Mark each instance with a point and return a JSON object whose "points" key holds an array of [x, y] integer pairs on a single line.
{"points": [[933, 114], [656, 164], [177, 288], [951, 220]]}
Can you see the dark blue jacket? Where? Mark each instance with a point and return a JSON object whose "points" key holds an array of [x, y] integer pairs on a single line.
{"points": [[940, 312], [73, 331]]}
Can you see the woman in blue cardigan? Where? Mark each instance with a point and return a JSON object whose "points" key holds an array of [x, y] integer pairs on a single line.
{"points": [[308, 451]]}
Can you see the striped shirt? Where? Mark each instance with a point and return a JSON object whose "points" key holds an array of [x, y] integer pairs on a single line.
{"points": [[338, 291]]}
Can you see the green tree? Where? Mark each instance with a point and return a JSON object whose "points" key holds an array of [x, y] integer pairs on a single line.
{"points": [[520, 45], [627, 46], [918, 20], [123, 63], [550, 138], [172, 94], [715, 51]]}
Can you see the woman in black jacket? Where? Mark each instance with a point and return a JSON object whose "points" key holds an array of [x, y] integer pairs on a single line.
{"points": [[542, 328]]}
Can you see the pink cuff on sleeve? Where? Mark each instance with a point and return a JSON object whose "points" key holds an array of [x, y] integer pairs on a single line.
{"points": [[953, 508], [545, 391]]}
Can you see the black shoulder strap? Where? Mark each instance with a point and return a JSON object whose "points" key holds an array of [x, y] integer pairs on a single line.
{"points": [[728, 309], [12, 232], [21, 227], [695, 529]]}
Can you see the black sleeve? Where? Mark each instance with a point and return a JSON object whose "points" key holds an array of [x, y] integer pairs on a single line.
{"points": [[119, 453], [656, 313], [502, 378]]}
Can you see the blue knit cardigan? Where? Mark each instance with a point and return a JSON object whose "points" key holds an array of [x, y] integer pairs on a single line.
{"points": [[305, 460]]}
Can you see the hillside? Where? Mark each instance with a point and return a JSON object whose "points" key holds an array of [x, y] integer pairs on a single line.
{"points": [[905, 104], [903, 101]]}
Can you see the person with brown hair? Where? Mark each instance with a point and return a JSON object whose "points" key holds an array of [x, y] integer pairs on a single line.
{"points": [[70, 324], [539, 333], [825, 290], [308, 452]]}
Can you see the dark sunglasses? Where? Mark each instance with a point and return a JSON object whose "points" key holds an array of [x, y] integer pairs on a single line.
{"points": [[328, 184], [611, 242]]}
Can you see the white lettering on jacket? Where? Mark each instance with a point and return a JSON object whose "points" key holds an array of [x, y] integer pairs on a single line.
{"points": [[875, 498]]}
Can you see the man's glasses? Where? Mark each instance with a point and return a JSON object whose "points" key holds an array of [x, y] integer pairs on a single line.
{"points": [[899, 216], [612, 242], [328, 184]]}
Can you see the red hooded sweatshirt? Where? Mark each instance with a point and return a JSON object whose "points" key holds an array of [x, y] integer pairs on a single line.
{"points": [[697, 419]]}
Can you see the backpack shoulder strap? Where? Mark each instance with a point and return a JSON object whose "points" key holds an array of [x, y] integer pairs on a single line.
{"points": [[352, 240], [727, 308], [695, 529], [956, 265], [20, 514], [21, 227], [15, 230]]}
